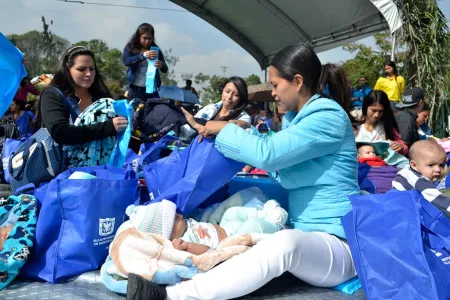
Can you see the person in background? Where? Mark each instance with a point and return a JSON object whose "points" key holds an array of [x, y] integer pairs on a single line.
{"points": [[360, 92], [79, 80], [189, 87], [411, 105], [423, 129], [25, 88], [277, 119], [263, 118], [379, 123], [392, 84], [232, 107], [136, 56], [23, 119], [367, 155]]}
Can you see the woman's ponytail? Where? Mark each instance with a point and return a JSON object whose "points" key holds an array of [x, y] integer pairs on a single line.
{"points": [[333, 84]]}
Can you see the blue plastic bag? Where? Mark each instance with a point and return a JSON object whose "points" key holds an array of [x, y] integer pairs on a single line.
{"points": [[119, 153], [78, 220], [12, 71], [189, 177], [400, 246]]}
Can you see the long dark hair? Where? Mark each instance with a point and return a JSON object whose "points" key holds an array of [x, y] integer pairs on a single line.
{"points": [[388, 119], [329, 80], [63, 81], [393, 66], [134, 44], [242, 105]]}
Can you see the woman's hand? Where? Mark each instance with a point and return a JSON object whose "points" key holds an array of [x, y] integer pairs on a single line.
{"points": [[212, 128], [158, 64], [396, 146], [151, 54], [241, 124], [191, 120], [120, 123]]}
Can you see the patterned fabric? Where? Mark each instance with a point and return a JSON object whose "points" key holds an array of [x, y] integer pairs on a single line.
{"points": [[17, 214], [201, 233], [94, 153], [409, 179]]}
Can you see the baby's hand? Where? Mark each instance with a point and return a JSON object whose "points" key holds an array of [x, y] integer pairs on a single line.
{"points": [[180, 244]]}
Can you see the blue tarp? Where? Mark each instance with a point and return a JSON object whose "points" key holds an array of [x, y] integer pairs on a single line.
{"points": [[12, 71]]}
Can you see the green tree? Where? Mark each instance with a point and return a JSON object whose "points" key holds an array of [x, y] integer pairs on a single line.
{"points": [[114, 69], [369, 62], [99, 48], [186, 76], [212, 93], [252, 80], [171, 61], [428, 39], [34, 46]]}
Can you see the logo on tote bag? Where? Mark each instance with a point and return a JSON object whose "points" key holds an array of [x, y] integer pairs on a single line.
{"points": [[106, 226]]}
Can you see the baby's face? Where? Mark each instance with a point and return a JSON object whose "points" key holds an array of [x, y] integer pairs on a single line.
{"points": [[179, 227], [431, 165], [366, 152]]}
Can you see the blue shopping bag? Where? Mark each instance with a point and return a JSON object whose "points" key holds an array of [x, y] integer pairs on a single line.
{"points": [[400, 246], [190, 176], [150, 153], [119, 153], [77, 222]]}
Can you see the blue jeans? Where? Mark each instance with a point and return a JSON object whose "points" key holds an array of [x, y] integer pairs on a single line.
{"points": [[137, 92]]}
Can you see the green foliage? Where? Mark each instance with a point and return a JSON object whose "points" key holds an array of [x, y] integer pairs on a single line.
{"points": [[369, 62], [428, 40], [211, 94], [171, 61], [252, 80], [38, 56]]}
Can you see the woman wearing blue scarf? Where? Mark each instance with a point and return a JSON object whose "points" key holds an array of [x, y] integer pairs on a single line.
{"points": [[314, 157]]}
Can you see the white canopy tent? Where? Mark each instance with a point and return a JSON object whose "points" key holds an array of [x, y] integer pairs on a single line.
{"points": [[263, 27]]}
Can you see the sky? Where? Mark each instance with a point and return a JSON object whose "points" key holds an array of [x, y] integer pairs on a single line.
{"points": [[200, 47]]}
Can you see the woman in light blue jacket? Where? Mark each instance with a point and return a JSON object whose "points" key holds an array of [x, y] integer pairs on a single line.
{"points": [[314, 157]]}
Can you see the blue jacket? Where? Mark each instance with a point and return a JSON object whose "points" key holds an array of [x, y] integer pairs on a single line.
{"points": [[360, 92], [132, 60], [314, 157]]}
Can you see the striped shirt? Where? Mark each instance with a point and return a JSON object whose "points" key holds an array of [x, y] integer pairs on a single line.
{"points": [[409, 179]]}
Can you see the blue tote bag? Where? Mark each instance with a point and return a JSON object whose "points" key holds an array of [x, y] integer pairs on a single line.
{"points": [[190, 176], [400, 246], [78, 220]]}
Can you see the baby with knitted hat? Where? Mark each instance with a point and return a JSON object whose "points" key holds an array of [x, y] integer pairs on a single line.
{"points": [[198, 237]]}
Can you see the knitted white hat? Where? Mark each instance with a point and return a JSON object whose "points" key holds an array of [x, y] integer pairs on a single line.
{"points": [[155, 218]]}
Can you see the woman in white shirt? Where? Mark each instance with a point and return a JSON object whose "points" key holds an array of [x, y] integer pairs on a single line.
{"points": [[379, 122], [232, 107]]}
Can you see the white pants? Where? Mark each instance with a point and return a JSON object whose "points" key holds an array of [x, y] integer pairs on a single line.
{"points": [[317, 258]]}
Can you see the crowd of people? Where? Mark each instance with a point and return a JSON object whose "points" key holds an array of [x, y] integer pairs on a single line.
{"points": [[307, 145]]}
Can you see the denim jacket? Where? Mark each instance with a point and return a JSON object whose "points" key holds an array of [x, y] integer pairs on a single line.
{"points": [[132, 60]]}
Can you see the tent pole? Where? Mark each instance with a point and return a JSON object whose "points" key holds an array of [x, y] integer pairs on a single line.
{"points": [[265, 75], [393, 47]]}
